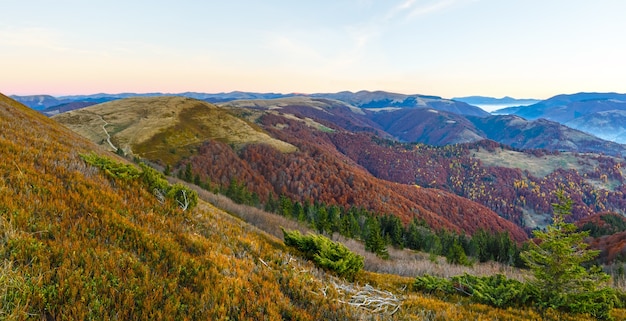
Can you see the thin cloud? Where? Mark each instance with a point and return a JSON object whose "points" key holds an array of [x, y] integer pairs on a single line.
{"points": [[361, 37], [411, 9], [292, 49], [429, 8], [31, 38], [399, 9]]}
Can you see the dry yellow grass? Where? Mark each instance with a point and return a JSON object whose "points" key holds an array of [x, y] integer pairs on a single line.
{"points": [[319, 104], [537, 166], [163, 128], [84, 247], [397, 274], [542, 166]]}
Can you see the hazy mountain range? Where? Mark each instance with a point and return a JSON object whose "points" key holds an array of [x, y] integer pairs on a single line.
{"points": [[482, 100], [600, 114]]}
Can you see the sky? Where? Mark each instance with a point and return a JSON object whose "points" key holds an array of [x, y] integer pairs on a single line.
{"points": [[449, 48]]}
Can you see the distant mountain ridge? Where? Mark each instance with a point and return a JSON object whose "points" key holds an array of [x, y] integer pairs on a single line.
{"points": [[519, 133], [483, 100], [151, 125], [38, 102], [609, 125], [382, 99], [361, 99], [437, 127], [411, 118], [564, 108], [47, 104], [588, 112]]}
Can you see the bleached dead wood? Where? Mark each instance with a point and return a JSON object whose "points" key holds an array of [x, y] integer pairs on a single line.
{"points": [[369, 298], [184, 204], [160, 196]]}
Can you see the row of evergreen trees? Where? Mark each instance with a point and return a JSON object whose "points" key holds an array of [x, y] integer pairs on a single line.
{"points": [[380, 231], [377, 231]]}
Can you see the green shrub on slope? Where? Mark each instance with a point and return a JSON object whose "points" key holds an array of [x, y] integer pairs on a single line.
{"points": [[325, 253], [153, 180]]}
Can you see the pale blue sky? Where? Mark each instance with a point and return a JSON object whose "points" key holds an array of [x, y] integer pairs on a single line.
{"points": [[524, 49]]}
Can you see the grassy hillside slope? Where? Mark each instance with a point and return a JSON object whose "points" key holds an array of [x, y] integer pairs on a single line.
{"points": [[77, 245], [313, 171], [163, 129]]}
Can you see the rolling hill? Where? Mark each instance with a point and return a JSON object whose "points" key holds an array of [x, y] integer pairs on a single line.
{"points": [[163, 129], [382, 99], [486, 172], [428, 126], [65, 107], [335, 143], [608, 125], [438, 127], [78, 244], [563, 108], [361, 99], [482, 100], [278, 154], [418, 128], [519, 133], [588, 112]]}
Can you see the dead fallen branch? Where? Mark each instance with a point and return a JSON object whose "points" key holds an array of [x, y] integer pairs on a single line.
{"points": [[373, 300]]}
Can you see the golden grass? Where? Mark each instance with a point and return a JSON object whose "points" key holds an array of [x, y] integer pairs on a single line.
{"points": [[76, 245], [306, 120], [398, 273], [277, 104], [543, 165], [537, 166], [164, 128]]}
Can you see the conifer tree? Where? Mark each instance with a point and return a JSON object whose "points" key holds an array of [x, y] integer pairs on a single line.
{"points": [[456, 255], [374, 241], [286, 206], [325, 253], [414, 236], [322, 224], [188, 175], [298, 212], [271, 204], [557, 262]]}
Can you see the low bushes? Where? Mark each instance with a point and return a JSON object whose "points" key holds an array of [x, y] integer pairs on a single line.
{"points": [[153, 180], [501, 292], [495, 290], [325, 253]]}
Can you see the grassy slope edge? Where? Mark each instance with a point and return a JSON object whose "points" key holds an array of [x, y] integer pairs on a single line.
{"points": [[76, 245], [163, 129]]}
